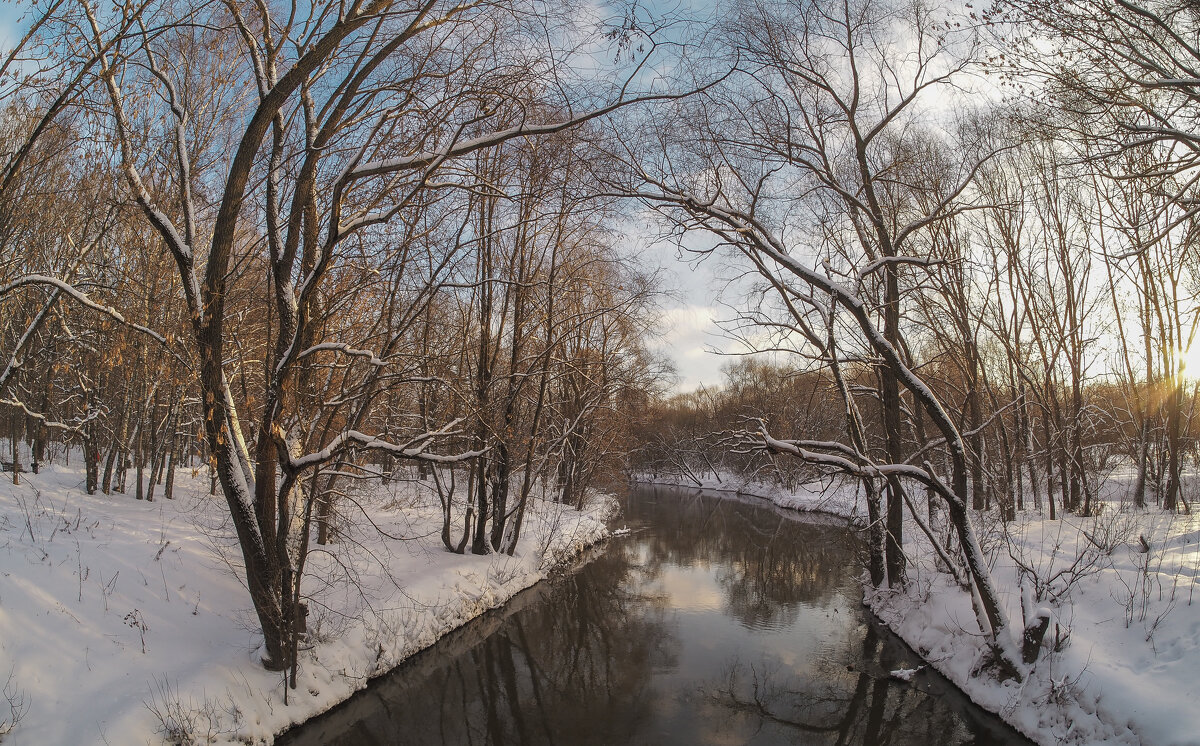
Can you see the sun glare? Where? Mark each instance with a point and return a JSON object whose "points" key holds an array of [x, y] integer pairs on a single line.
{"points": [[1191, 362]]}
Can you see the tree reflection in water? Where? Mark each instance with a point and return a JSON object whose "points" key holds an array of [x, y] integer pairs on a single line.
{"points": [[877, 709], [717, 621]]}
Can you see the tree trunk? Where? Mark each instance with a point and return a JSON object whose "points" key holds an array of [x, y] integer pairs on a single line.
{"points": [[894, 546], [479, 541], [91, 462], [1008, 508], [1049, 465], [876, 565], [1139, 485], [109, 461], [151, 482], [12, 434], [169, 489], [975, 439], [500, 480], [324, 516], [139, 473], [1174, 464], [122, 470]]}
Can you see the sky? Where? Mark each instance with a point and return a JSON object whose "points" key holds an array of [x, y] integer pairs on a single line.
{"points": [[689, 332], [10, 16], [691, 304]]}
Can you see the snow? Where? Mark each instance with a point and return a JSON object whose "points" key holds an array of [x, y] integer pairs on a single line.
{"points": [[906, 674], [1120, 590], [123, 620]]}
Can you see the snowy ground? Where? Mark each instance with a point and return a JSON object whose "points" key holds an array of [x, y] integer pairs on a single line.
{"points": [[122, 620], [1125, 609]]}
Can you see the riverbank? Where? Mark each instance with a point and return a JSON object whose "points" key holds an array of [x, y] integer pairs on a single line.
{"points": [[1120, 588], [716, 619], [123, 621]]}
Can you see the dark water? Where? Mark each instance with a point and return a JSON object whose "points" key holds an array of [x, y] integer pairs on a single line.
{"points": [[717, 621]]}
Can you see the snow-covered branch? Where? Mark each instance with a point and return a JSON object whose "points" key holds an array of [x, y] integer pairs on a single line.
{"points": [[14, 362], [83, 299], [415, 448], [346, 349], [46, 421]]}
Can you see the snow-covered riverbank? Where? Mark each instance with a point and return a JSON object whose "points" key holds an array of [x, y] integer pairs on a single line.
{"points": [[124, 622], [1121, 589]]}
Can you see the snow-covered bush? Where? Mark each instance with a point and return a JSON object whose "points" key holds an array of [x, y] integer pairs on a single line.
{"points": [[183, 723]]}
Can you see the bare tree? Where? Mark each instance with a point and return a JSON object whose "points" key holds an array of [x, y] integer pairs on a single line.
{"points": [[1123, 78], [807, 171], [288, 144]]}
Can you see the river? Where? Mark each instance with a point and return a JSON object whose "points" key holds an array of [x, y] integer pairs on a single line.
{"points": [[717, 620]]}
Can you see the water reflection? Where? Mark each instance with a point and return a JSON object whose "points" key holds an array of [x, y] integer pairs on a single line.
{"points": [[716, 622]]}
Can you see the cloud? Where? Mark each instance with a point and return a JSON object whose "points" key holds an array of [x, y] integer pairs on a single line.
{"points": [[690, 334]]}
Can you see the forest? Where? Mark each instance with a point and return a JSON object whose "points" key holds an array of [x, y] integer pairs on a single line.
{"points": [[294, 250]]}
